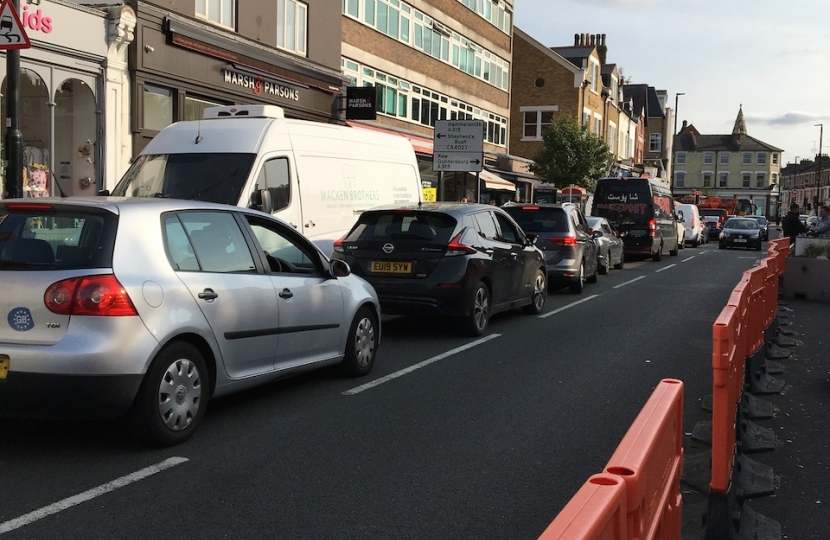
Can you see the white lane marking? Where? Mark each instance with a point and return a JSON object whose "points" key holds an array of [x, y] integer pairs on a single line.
{"points": [[688, 259], [665, 268], [425, 363], [572, 304], [629, 282], [69, 502]]}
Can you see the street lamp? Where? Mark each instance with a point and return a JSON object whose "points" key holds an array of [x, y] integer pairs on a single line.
{"points": [[818, 180], [674, 140]]}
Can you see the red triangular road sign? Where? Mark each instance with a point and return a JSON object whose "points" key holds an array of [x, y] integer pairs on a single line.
{"points": [[12, 35]]}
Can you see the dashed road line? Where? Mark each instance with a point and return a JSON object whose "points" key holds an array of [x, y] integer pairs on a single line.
{"points": [[688, 259], [75, 500], [572, 304], [425, 363], [664, 268], [629, 282]]}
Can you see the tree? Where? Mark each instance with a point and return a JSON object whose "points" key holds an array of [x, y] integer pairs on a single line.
{"points": [[571, 155]]}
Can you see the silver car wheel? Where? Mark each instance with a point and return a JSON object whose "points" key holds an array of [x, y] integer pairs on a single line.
{"points": [[365, 342], [481, 308], [179, 394], [540, 290]]}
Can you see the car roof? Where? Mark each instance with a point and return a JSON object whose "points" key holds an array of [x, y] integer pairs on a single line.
{"points": [[117, 204]]}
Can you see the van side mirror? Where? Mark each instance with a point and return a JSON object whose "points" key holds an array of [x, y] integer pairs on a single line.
{"points": [[261, 200], [103, 192]]}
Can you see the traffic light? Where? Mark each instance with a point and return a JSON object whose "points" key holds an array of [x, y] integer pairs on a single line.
{"points": [[697, 197], [795, 192]]}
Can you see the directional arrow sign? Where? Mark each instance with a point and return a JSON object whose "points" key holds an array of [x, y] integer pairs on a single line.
{"points": [[12, 35], [458, 145]]}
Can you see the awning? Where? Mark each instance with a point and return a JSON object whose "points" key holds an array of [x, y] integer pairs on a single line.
{"points": [[494, 181], [421, 145]]}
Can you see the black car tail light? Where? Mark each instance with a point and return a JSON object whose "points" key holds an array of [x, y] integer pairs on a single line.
{"points": [[455, 247], [567, 241]]}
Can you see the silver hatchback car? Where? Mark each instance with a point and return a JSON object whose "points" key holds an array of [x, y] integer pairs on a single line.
{"points": [[146, 308]]}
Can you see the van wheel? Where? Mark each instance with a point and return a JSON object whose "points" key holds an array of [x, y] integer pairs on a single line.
{"points": [[540, 294], [695, 242], [578, 285], [675, 251], [658, 256], [476, 321], [362, 344], [173, 396]]}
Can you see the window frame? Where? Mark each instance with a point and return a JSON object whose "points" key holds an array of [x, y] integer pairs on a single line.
{"points": [[300, 26], [206, 15]]}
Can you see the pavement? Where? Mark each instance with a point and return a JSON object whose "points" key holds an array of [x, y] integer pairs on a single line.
{"points": [[799, 460]]}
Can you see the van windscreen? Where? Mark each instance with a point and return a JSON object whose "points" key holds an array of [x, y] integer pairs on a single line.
{"points": [[623, 202], [211, 177]]}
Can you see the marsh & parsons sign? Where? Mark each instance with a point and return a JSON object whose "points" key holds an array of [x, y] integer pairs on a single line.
{"points": [[259, 85]]}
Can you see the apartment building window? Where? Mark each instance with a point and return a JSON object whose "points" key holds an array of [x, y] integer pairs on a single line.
{"points": [[593, 75], [762, 158], [220, 12], [535, 120], [402, 22], [680, 179], [760, 180], [707, 180], [747, 158], [708, 158], [655, 142], [723, 179], [497, 13], [680, 158], [724, 158], [745, 177], [586, 118], [292, 26], [775, 159], [598, 125], [612, 137], [774, 178], [158, 107]]}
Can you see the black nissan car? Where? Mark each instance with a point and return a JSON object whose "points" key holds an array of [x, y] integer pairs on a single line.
{"points": [[467, 261]]}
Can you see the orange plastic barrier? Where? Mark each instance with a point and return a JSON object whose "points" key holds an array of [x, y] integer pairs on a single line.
{"points": [[727, 384], [596, 512], [757, 314], [650, 460]]}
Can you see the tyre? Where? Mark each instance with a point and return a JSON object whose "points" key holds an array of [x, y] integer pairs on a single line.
{"points": [[476, 321], [621, 264], [593, 277], [362, 344], [173, 396], [695, 242], [675, 251], [578, 285], [539, 295], [658, 256], [606, 266]]}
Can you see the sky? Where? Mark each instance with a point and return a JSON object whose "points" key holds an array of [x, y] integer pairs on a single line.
{"points": [[771, 57]]}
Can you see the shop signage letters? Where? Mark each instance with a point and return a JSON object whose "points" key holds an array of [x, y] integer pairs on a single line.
{"points": [[259, 85]]}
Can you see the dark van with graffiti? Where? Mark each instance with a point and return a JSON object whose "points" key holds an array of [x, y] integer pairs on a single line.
{"points": [[642, 210]]}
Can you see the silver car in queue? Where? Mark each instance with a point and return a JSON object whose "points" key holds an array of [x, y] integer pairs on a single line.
{"points": [[147, 308]]}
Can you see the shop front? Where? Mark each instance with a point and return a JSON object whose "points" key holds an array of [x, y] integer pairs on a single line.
{"points": [[180, 67], [61, 105]]}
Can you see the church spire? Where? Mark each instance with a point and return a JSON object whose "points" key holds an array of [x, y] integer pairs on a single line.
{"points": [[740, 125]]}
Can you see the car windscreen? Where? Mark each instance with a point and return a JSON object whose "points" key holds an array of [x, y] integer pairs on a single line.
{"points": [[433, 227], [745, 224], [42, 237], [538, 219], [198, 177], [624, 202]]}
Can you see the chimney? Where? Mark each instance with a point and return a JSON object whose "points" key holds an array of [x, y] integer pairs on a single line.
{"points": [[602, 50], [576, 40], [593, 40], [684, 125]]}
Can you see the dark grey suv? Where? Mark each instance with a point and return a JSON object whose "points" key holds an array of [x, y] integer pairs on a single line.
{"points": [[467, 261], [565, 238]]}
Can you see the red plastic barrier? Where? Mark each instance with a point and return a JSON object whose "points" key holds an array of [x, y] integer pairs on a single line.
{"points": [[650, 459], [727, 384], [595, 512], [757, 312]]}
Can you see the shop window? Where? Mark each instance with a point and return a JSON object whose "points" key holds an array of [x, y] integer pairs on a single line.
{"points": [[220, 12], [75, 148], [194, 108], [35, 125], [158, 107], [292, 26]]}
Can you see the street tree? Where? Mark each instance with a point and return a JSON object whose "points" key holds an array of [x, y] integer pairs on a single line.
{"points": [[571, 155]]}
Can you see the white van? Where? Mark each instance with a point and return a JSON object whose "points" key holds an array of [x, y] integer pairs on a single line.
{"points": [[692, 223], [318, 177]]}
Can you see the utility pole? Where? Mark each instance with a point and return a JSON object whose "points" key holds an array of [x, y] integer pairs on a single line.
{"points": [[14, 139], [674, 142], [818, 199]]}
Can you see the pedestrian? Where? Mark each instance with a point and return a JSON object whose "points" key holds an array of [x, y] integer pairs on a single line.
{"points": [[492, 202], [822, 228], [463, 199], [791, 225]]}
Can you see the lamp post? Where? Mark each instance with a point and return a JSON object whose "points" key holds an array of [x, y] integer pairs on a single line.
{"points": [[674, 140], [817, 198]]}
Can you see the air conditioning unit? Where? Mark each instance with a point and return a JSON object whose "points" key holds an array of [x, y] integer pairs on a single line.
{"points": [[441, 29]]}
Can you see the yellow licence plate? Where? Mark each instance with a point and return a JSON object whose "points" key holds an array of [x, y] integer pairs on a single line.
{"points": [[389, 267], [4, 366]]}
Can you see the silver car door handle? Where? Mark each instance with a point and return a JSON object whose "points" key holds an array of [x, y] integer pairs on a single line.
{"points": [[285, 293], [208, 294], [514, 256], [489, 252]]}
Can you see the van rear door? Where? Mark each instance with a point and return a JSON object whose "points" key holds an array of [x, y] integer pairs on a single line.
{"points": [[628, 205]]}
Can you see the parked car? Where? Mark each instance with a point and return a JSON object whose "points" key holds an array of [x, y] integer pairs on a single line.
{"points": [[740, 232], [805, 218], [690, 216], [704, 230], [467, 261], [610, 249], [811, 221], [159, 305], [763, 224], [566, 240]]}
